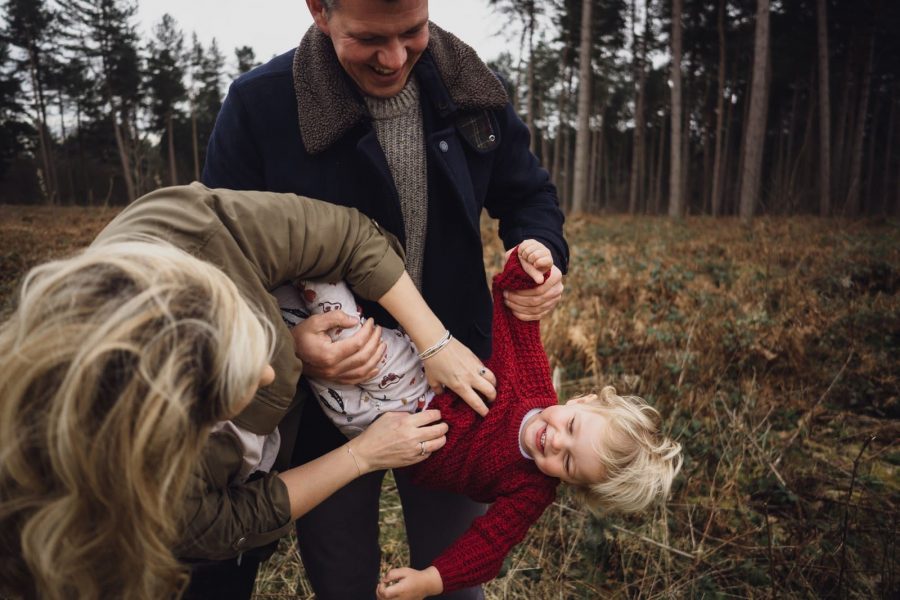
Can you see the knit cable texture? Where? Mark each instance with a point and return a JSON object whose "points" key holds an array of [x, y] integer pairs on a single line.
{"points": [[398, 125]]}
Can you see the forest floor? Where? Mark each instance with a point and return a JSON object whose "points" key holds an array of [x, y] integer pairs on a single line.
{"points": [[773, 353]]}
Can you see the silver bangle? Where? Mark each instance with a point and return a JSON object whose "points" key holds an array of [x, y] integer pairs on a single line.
{"points": [[428, 353]]}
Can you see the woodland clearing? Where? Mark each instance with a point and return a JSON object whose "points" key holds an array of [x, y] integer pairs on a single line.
{"points": [[773, 352]]}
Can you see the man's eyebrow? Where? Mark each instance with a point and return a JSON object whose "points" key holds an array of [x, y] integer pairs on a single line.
{"points": [[363, 33], [417, 26]]}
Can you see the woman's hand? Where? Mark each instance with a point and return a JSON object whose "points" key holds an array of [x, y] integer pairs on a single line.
{"points": [[410, 584], [457, 368], [398, 440], [454, 365], [394, 440]]}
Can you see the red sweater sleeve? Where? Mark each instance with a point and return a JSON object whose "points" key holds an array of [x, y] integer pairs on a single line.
{"points": [[476, 557], [521, 497]]}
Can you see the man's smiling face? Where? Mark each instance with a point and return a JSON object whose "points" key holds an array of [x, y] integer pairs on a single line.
{"points": [[377, 42]]}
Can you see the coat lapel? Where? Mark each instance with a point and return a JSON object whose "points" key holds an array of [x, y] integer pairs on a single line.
{"points": [[329, 104]]}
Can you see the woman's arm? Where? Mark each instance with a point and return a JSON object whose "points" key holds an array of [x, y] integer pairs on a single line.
{"points": [[454, 366], [393, 440]]}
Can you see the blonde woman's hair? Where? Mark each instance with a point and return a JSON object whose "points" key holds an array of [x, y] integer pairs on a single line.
{"points": [[639, 461], [113, 368]]}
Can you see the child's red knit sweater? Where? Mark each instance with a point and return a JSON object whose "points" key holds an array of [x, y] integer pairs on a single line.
{"points": [[482, 458]]}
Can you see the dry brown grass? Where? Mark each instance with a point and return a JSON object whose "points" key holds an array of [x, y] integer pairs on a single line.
{"points": [[773, 352]]}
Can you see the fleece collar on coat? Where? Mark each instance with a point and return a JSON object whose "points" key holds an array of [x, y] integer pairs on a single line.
{"points": [[329, 104]]}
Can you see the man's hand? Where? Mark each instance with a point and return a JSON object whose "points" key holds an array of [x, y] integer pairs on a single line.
{"points": [[534, 304], [348, 361], [410, 584]]}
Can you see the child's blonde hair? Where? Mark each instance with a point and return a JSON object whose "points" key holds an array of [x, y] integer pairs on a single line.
{"points": [[113, 368], [639, 461]]}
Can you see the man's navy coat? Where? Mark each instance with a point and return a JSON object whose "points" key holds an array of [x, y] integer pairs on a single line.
{"points": [[297, 124]]}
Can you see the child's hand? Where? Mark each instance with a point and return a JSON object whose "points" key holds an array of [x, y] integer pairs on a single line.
{"points": [[410, 584], [537, 302], [536, 259]]}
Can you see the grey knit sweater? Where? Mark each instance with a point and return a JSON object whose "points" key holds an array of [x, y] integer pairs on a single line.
{"points": [[398, 125]]}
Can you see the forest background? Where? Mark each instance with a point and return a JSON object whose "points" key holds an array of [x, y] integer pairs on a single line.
{"points": [[769, 341]]}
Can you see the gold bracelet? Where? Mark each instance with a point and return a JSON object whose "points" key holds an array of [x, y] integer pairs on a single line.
{"points": [[353, 456]]}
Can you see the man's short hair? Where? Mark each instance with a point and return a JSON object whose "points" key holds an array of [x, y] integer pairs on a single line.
{"points": [[330, 5]]}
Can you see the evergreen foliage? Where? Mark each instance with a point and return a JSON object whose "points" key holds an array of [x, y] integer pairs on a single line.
{"points": [[90, 113]]}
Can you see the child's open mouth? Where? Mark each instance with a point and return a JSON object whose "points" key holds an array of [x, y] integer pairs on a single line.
{"points": [[542, 439]]}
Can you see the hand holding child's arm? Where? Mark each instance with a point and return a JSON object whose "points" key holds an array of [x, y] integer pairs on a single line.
{"points": [[454, 366], [534, 304], [410, 584]]}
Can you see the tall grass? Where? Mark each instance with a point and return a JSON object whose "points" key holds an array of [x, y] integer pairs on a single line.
{"points": [[773, 353]]}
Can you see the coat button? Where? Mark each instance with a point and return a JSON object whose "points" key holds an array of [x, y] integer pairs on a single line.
{"points": [[444, 146], [492, 138]]}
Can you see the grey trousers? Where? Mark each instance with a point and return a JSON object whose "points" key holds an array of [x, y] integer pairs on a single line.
{"points": [[339, 538]]}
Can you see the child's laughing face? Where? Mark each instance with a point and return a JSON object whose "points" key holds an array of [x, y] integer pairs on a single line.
{"points": [[563, 441]]}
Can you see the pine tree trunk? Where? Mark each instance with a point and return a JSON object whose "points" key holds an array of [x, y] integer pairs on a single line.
{"points": [[135, 150], [888, 148], [852, 204], [82, 162], [824, 111], [582, 133], [41, 126], [807, 141], [660, 161], [562, 109], [867, 202], [567, 169], [716, 198], [783, 165], [70, 179], [754, 140], [727, 155], [195, 145], [707, 155], [529, 115], [839, 168], [635, 191], [604, 174], [590, 180], [676, 200], [123, 158], [596, 152], [170, 131], [686, 101]]}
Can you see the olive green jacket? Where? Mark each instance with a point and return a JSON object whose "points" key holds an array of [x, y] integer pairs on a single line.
{"points": [[260, 240]]}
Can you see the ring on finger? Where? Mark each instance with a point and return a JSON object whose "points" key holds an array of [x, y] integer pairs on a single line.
{"points": [[482, 371], [423, 452]]}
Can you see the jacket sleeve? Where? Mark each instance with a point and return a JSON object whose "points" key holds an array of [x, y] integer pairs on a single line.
{"points": [[222, 519], [232, 157], [476, 557], [520, 194]]}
